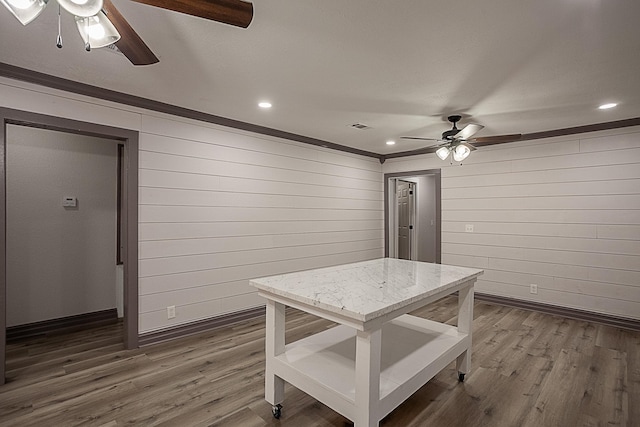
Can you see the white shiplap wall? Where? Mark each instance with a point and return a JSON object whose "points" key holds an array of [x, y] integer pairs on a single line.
{"points": [[219, 206], [561, 213]]}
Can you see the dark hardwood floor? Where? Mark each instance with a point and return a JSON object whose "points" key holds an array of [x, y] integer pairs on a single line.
{"points": [[529, 369]]}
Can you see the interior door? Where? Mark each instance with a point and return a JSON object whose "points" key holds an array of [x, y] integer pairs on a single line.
{"points": [[405, 196]]}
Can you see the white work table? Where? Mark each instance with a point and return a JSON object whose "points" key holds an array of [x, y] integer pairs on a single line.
{"points": [[378, 355]]}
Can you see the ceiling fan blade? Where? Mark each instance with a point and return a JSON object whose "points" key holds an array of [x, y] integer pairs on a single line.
{"points": [[422, 139], [130, 43], [232, 12], [468, 131], [497, 139]]}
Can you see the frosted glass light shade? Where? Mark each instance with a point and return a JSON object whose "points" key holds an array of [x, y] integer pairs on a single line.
{"points": [[82, 8], [25, 10], [461, 152], [97, 30], [442, 152]]}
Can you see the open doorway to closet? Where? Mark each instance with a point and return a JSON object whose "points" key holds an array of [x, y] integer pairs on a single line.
{"points": [[65, 253], [412, 215]]}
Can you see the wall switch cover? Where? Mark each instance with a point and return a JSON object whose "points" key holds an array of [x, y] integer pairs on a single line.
{"points": [[69, 202]]}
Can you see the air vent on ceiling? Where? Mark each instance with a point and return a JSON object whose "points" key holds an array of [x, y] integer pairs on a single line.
{"points": [[360, 126]]}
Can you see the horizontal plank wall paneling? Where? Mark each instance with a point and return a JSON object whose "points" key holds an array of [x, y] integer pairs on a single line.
{"points": [[37, 99], [219, 207], [561, 213]]}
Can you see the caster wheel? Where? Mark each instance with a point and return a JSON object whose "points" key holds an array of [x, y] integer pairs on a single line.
{"points": [[276, 410], [460, 377]]}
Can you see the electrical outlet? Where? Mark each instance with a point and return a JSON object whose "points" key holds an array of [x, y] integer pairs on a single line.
{"points": [[533, 289], [468, 228], [171, 312]]}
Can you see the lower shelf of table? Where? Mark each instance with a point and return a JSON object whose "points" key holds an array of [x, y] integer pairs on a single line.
{"points": [[414, 350]]}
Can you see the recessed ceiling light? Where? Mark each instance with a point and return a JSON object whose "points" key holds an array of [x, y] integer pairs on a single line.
{"points": [[390, 142], [264, 104], [607, 106]]}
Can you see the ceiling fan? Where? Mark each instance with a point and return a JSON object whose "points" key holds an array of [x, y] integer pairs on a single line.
{"points": [[458, 142], [101, 24]]}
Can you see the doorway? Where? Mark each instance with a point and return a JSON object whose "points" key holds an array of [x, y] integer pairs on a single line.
{"points": [[406, 212], [412, 215], [128, 212]]}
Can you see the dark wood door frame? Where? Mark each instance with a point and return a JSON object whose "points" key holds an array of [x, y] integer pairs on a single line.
{"points": [[128, 213]]}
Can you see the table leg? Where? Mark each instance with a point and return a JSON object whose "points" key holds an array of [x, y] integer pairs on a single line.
{"points": [[368, 349], [465, 325], [274, 346]]}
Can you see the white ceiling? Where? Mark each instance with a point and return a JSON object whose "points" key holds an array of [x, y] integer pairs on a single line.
{"points": [[399, 67]]}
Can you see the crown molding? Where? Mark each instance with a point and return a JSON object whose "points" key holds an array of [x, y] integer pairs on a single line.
{"points": [[42, 79], [35, 77]]}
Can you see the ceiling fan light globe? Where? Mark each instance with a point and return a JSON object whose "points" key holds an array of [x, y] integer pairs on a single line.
{"points": [[25, 11], [97, 30], [443, 153], [82, 8], [461, 152], [21, 4]]}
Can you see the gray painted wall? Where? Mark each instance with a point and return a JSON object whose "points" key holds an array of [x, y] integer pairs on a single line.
{"points": [[60, 261], [426, 217]]}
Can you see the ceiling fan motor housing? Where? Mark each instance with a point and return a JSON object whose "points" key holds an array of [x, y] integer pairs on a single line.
{"points": [[448, 135]]}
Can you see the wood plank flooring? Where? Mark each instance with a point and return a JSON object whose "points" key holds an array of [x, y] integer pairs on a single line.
{"points": [[529, 369]]}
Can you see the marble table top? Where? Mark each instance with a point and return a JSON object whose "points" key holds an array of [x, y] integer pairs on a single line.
{"points": [[369, 289]]}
